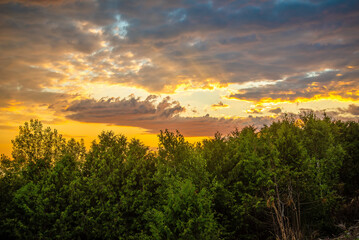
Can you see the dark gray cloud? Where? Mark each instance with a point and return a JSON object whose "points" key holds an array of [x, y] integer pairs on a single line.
{"points": [[326, 83], [128, 109], [28, 97], [36, 34], [153, 116], [335, 114], [159, 44], [219, 105], [352, 109], [239, 41], [276, 110]]}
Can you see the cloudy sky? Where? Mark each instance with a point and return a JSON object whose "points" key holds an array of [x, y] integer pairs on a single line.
{"points": [[137, 67]]}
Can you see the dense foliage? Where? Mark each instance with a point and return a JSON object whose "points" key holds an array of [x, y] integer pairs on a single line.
{"points": [[295, 179]]}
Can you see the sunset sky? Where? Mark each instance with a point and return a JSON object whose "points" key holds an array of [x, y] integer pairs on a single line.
{"points": [[139, 66]]}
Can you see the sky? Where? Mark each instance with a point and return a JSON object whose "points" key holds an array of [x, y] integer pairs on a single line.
{"points": [[138, 67]]}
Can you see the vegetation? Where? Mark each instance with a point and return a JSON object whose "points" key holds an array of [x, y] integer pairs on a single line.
{"points": [[295, 179]]}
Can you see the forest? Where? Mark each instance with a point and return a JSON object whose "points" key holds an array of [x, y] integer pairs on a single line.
{"points": [[295, 179]]}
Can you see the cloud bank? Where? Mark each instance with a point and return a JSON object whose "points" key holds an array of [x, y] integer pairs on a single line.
{"points": [[154, 116]]}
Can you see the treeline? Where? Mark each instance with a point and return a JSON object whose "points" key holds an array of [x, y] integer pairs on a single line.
{"points": [[295, 179]]}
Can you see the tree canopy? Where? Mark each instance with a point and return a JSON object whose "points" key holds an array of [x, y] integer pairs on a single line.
{"points": [[295, 179]]}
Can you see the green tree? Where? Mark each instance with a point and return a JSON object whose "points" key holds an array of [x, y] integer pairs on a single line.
{"points": [[177, 157], [283, 181], [290, 174], [31, 202], [34, 142], [116, 189], [184, 213], [326, 157]]}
